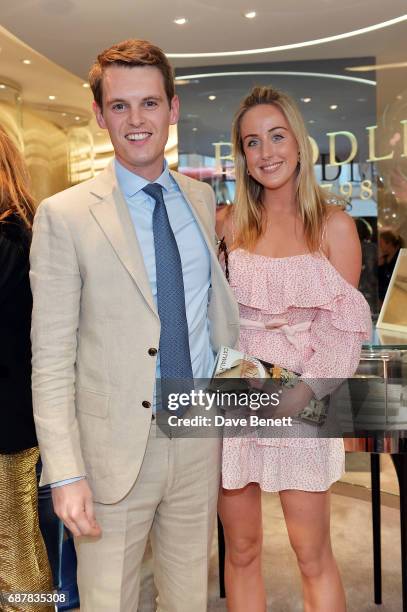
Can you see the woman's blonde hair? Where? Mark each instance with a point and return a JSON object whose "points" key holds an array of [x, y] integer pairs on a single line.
{"points": [[15, 196], [248, 210]]}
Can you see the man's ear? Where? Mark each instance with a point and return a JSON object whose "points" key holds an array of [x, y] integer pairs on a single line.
{"points": [[174, 110], [99, 115]]}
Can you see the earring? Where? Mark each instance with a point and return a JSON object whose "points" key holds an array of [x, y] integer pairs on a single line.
{"points": [[248, 171], [299, 158]]}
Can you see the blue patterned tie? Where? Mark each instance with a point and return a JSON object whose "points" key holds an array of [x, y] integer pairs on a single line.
{"points": [[175, 358]]}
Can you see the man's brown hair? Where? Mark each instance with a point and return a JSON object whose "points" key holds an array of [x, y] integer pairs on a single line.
{"points": [[131, 53]]}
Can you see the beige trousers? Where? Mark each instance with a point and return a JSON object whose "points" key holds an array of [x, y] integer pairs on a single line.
{"points": [[174, 501]]}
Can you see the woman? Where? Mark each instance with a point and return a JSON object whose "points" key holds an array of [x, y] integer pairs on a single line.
{"points": [[23, 560], [294, 263]]}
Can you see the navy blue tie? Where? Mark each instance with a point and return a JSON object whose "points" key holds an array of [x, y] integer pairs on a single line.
{"points": [[175, 357]]}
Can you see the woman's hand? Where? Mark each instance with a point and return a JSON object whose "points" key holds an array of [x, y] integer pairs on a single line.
{"points": [[294, 400]]}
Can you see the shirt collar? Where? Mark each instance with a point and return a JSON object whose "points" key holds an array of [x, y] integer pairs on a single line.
{"points": [[131, 184]]}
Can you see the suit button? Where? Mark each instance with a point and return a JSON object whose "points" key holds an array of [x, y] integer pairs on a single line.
{"points": [[152, 352], [146, 404]]}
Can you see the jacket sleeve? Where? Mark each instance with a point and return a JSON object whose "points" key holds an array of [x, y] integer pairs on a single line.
{"points": [[56, 285]]}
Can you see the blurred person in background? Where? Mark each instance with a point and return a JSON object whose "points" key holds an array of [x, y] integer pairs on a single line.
{"points": [[389, 248], [24, 564], [368, 284]]}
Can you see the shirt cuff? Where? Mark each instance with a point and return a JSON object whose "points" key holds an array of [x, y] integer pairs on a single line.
{"points": [[61, 483]]}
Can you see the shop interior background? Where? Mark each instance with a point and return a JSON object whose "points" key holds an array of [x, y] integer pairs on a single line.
{"points": [[344, 62]]}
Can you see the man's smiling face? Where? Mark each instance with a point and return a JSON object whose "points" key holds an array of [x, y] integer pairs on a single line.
{"points": [[137, 115]]}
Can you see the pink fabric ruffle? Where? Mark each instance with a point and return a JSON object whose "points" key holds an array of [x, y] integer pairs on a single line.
{"points": [[271, 290]]}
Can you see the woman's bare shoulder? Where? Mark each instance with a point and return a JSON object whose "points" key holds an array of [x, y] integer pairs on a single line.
{"points": [[337, 219], [343, 246]]}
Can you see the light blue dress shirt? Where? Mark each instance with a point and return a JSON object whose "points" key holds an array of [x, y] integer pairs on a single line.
{"points": [[195, 259]]}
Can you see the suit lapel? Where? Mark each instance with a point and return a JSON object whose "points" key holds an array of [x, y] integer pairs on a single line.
{"points": [[199, 208], [112, 215]]}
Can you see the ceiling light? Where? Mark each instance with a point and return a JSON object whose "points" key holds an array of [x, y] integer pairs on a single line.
{"points": [[377, 67], [306, 100], [250, 14], [399, 97], [2, 86], [51, 97], [77, 118], [85, 85], [360, 99], [26, 61], [194, 129], [63, 114], [212, 98], [298, 45], [333, 106], [322, 75], [311, 121], [181, 20]]}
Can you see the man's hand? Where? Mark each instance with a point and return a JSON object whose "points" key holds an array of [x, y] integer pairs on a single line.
{"points": [[73, 504]]}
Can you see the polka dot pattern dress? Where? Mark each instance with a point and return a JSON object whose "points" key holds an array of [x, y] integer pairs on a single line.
{"points": [[316, 323]]}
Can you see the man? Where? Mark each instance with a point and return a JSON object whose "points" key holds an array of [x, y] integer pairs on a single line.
{"points": [[111, 286]]}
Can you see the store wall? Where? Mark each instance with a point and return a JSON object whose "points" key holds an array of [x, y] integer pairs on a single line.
{"points": [[42, 143], [45, 151]]}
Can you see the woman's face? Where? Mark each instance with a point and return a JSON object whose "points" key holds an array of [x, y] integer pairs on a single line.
{"points": [[269, 145]]}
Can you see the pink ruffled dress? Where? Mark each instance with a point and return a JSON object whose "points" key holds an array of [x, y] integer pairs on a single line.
{"points": [[316, 323]]}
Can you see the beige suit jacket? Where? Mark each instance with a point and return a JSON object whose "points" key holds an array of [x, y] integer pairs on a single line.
{"points": [[94, 319]]}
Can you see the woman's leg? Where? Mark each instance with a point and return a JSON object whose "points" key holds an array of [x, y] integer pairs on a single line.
{"points": [[307, 517], [240, 513]]}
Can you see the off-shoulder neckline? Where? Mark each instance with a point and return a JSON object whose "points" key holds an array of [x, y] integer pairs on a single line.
{"points": [[317, 255]]}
